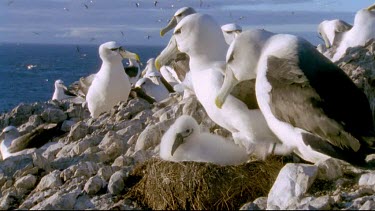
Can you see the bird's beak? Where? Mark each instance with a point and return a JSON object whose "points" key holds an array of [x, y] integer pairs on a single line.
{"points": [[368, 8], [230, 81], [177, 142], [169, 52], [172, 23], [326, 42], [129, 55]]}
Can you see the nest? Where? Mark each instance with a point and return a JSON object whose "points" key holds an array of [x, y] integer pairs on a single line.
{"points": [[201, 186]]}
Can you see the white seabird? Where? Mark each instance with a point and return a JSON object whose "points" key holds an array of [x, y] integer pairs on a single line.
{"points": [[61, 92], [230, 31], [309, 103], [332, 30], [177, 17], [363, 29], [151, 82], [14, 144], [184, 141], [111, 84], [201, 38]]}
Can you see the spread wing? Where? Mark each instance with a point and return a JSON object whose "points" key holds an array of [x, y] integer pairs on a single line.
{"points": [[245, 91], [315, 95]]}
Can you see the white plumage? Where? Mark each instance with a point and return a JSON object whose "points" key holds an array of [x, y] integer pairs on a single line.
{"points": [[332, 30], [363, 30], [111, 84], [202, 39], [61, 92], [230, 31], [183, 141], [10, 133]]}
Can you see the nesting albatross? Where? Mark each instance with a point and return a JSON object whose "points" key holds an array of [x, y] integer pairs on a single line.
{"points": [[201, 38], [111, 84], [183, 141], [309, 103]]}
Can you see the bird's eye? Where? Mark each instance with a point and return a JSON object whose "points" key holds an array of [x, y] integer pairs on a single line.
{"points": [[114, 49], [178, 31], [179, 15], [188, 130]]}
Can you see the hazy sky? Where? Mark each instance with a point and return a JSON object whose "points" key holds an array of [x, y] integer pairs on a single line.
{"points": [[97, 21]]}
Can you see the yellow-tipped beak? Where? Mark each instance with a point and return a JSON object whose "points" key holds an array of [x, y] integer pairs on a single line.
{"points": [[172, 23], [157, 64], [129, 55], [371, 7], [218, 102], [230, 81]]}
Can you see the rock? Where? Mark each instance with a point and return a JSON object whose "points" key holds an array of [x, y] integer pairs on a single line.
{"points": [[52, 150], [105, 172], [291, 184], [116, 183], [367, 179], [320, 203], [83, 202], [122, 161], [368, 205], [329, 169], [78, 131], [58, 201], [53, 115], [26, 182], [8, 201], [151, 135], [93, 185], [113, 145], [12, 164], [67, 125], [51, 180], [258, 204]]}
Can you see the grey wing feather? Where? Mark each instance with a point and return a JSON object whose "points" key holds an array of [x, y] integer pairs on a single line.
{"points": [[295, 101]]}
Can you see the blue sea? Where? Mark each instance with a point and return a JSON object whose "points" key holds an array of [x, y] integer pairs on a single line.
{"points": [[47, 62]]}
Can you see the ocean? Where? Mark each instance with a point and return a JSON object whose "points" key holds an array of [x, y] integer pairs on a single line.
{"points": [[28, 71]]}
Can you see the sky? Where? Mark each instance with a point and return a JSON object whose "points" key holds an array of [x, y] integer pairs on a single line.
{"points": [[138, 22]]}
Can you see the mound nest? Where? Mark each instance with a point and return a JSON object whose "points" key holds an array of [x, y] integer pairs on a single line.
{"points": [[201, 186]]}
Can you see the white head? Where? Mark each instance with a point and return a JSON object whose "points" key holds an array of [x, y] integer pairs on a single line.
{"points": [[111, 51], [200, 35], [184, 129], [10, 133], [150, 70], [230, 31], [59, 84], [242, 60], [177, 17]]}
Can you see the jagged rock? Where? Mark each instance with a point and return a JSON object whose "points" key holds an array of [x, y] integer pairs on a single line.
{"points": [[367, 179], [58, 201], [86, 169], [67, 125], [27, 182], [113, 145], [133, 107], [52, 150], [10, 165], [291, 184], [35, 198], [83, 202], [368, 205], [77, 112], [78, 131], [87, 142], [105, 172], [151, 135], [93, 185], [116, 183], [34, 121], [8, 201], [312, 203], [40, 162], [53, 115], [258, 204], [329, 169], [51, 180], [134, 126], [122, 161]]}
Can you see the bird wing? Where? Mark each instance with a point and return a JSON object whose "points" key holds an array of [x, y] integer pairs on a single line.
{"points": [[245, 91], [315, 95], [340, 27], [36, 138]]}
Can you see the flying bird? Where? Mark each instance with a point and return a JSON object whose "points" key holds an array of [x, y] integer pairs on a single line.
{"points": [[87, 7], [155, 3]]}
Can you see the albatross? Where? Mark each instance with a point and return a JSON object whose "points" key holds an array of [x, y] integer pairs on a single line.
{"points": [[15, 144], [184, 141], [363, 29], [230, 31], [111, 84], [199, 36], [309, 103], [61, 92]]}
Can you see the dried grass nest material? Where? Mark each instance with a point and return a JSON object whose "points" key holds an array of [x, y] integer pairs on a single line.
{"points": [[201, 186]]}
